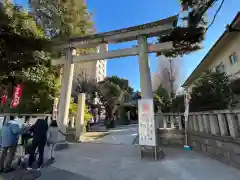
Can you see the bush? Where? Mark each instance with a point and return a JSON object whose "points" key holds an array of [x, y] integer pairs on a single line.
{"points": [[212, 91], [178, 104]]}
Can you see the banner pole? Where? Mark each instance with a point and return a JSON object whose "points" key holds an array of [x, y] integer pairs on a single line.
{"points": [[187, 101]]}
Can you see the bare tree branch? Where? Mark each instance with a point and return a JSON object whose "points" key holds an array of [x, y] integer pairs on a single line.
{"points": [[168, 74]]}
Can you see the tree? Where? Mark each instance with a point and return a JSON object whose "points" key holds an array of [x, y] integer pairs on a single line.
{"points": [[212, 92], [178, 104], [62, 18], [24, 61], [110, 95], [162, 99], [169, 74], [187, 39], [20, 38], [122, 83]]}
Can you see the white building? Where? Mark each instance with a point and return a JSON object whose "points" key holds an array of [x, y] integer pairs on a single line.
{"points": [[92, 70], [222, 57]]}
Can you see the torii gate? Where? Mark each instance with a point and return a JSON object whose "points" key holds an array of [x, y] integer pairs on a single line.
{"points": [[139, 33]]}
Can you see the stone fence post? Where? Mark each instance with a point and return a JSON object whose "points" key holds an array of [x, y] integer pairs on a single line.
{"points": [[206, 121], [200, 123], [222, 124], [214, 124], [232, 123]]}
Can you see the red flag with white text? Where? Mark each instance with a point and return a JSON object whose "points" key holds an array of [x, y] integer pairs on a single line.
{"points": [[16, 96]]}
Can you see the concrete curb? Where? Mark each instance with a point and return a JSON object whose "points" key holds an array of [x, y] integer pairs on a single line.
{"points": [[61, 146], [89, 137]]}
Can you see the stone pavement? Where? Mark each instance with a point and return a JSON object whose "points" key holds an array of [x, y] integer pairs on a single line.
{"points": [[120, 135], [110, 160], [120, 162]]}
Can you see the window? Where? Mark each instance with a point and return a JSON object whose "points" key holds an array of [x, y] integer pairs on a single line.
{"points": [[220, 68], [233, 58]]}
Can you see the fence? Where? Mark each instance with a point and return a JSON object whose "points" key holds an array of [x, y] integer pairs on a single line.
{"points": [[216, 133], [21, 117], [223, 123]]}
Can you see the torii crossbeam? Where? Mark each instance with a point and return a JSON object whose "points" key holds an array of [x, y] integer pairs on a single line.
{"points": [[139, 33]]}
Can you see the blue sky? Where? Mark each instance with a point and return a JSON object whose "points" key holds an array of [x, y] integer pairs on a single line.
{"points": [[115, 14]]}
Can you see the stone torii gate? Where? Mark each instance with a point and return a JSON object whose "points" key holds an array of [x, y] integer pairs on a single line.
{"points": [[139, 33]]}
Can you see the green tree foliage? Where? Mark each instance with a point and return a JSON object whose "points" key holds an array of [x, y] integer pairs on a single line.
{"points": [[109, 93], [87, 115], [62, 18], [20, 38], [212, 92], [24, 61], [122, 83], [188, 39], [235, 86], [178, 104], [72, 107], [162, 99]]}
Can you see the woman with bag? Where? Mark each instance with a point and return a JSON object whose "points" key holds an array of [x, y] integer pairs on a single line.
{"points": [[52, 138]]}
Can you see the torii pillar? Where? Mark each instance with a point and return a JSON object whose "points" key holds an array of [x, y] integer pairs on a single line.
{"points": [[66, 88], [144, 68]]}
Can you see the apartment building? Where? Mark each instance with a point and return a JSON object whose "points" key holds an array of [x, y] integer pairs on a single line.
{"points": [[90, 71], [224, 56]]}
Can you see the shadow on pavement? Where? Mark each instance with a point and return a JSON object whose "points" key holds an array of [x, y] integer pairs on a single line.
{"points": [[55, 173], [22, 174]]}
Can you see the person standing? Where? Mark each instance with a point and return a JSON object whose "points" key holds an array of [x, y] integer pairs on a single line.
{"points": [[39, 130], [53, 138], [9, 137]]}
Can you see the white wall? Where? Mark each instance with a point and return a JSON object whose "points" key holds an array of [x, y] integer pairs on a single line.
{"points": [[223, 56]]}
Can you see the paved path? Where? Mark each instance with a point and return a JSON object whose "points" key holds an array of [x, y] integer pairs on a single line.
{"points": [[91, 161], [114, 158], [120, 135]]}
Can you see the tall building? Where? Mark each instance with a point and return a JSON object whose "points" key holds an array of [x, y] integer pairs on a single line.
{"points": [[92, 70]]}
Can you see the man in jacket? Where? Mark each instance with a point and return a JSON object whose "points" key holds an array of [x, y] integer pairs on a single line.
{"points": [[9, 141]]}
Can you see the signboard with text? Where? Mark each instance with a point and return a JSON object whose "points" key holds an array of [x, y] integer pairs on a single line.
{"points": [[147, 131]]}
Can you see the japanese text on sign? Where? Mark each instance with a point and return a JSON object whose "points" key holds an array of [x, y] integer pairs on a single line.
{"points": [[147, 134]]}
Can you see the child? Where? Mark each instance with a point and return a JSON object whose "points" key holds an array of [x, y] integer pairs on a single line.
{"points": [[52, 137]]}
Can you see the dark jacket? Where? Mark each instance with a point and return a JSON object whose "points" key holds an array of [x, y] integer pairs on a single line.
{"points": [[39, 130]]}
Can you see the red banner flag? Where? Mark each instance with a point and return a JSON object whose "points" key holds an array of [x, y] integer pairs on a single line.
{"points": [[4, 99], [16, 95]]}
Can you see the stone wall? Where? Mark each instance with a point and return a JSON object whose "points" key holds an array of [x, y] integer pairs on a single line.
{"points": [[170, 138], [215, 133], [225, 149]]}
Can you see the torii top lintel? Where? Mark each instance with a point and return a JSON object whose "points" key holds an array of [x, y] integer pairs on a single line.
{"points": [[157, 28]]}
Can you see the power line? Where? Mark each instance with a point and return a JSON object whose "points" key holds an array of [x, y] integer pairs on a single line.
{"points": [[215, 15]]}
